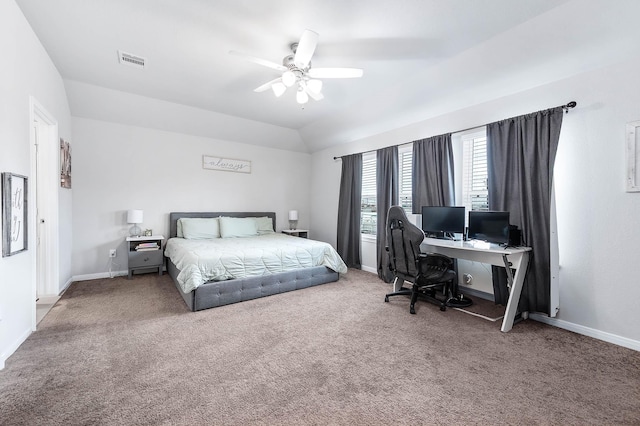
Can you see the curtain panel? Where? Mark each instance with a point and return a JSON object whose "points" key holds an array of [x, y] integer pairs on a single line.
{"points": [[386, 196], [521, 153], [349, 209], [432, 173]]}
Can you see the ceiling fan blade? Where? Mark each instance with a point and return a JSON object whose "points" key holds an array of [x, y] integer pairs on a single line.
{"points": [[335, 72], [259, 61], [306, 47], [267, 86]]}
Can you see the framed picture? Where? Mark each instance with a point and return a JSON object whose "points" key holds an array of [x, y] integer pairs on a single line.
{"points": [[226, 164], [14, 214], [65, 164]]}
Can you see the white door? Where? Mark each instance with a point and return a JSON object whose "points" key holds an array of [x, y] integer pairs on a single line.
{"points": [[44, 183]]}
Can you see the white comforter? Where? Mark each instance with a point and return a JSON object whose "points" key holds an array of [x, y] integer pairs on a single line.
{"points": [[220, 259]]}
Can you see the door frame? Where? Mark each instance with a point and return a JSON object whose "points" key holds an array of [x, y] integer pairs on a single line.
{"points": [[43, 195]]}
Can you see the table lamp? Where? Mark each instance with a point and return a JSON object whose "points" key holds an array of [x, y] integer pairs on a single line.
{"points": [[293, 219], [135, 217]]}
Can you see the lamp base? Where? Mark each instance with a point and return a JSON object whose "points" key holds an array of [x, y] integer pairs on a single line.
{"points": [[293, 224], [135, 231]]}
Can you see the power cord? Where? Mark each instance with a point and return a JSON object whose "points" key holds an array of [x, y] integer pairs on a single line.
{"points": [[112, 264]]}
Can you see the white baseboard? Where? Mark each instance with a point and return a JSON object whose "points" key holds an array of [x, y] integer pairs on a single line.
{"points": [[468, 291], [14, 347], [587, 331], [370, 269], [65, 286], [98, 275]]}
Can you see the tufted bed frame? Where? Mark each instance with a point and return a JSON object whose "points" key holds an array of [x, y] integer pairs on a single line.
{"points": [[218, 293]]}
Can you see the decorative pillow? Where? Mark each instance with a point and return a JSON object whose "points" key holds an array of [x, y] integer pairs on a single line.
{"points": [[231, 227], [264, 225], [179, 233], [196, 228]]}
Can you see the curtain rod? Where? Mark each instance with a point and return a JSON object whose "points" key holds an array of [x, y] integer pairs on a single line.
{"points": [[566, 108]]}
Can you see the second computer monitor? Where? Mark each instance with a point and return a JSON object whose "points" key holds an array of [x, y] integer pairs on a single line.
{"points": [[443, 222], [489, 226]]}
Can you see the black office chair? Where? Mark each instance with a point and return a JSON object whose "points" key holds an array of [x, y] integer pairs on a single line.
{"points": [[431, 275]]}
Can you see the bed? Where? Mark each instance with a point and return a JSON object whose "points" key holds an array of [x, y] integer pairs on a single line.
{"points": [[208, 274]]}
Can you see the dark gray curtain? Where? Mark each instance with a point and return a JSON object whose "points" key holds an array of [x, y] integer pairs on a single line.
{"points": [[386, 196], [432, 173], [521, 152], [349, 207]]}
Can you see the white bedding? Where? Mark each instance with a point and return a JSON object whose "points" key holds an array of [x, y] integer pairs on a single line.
{"points": [[220, 259]]}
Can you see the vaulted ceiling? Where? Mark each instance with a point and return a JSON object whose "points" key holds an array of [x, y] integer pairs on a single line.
{"points": [[420, 58]]}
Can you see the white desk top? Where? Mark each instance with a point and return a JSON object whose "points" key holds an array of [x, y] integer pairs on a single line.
{"points": [[474, 246]]}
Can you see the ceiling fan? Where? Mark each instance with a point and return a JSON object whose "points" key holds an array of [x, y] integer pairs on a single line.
{"points": [[297, 71]]}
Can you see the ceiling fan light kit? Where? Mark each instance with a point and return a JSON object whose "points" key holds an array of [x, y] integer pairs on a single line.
{"points": [[301, 96], [278, 89], [297, 71]]}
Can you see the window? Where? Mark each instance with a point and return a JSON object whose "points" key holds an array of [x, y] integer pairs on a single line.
{"points": [[369, 198], [405, 154], [475, 194]]}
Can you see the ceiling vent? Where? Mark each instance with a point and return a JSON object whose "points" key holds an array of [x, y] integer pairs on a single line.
{"points": [[132, 60]]}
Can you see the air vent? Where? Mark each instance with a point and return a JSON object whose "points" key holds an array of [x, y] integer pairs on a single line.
{"points": [[132, 60]]}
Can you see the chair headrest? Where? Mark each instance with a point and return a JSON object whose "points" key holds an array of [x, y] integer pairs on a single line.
{"points": [[396, 216]]}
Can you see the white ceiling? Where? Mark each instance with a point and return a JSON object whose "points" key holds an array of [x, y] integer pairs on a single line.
{"points": [[420, 57]]}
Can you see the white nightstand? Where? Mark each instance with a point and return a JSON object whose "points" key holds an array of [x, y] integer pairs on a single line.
{"points": [[145, 253], [302, 233]]}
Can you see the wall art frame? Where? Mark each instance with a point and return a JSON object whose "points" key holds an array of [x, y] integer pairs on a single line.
{"points": [[226, 164], [65, 164], [14, 214]]}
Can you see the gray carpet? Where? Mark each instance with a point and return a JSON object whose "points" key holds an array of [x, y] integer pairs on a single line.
{"points": [[119, 351]]}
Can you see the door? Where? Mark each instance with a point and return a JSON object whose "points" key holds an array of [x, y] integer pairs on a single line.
{"points": [[44, 197]]}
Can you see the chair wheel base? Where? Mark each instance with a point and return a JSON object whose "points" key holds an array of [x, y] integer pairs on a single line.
{"points": [[386, 299]]}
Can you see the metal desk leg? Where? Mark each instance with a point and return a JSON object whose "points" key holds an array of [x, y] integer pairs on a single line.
{"points": [[517, 281]]}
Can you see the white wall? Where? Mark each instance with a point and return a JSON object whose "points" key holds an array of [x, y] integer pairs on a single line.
{"points": [[119, 167], [26, 70], [597, 220]]}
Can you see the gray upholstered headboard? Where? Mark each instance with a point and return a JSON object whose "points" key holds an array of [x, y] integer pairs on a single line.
{"points": [[174, 216]]}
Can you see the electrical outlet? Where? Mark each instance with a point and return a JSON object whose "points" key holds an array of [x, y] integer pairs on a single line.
{"points": [[112, 253]]}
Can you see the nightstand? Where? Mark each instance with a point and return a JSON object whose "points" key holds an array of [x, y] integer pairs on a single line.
{"points": [[302, 233], [145, 253]]}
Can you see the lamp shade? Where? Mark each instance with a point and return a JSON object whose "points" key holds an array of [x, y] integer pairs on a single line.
{"points": [[301, 96], [293, 214], [278, 89], [288, 78], [134, 216]]}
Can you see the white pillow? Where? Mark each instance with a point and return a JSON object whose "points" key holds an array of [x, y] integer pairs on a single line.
{"points": [[179, 233], [264, 225], [197, 228], [231, 227]]}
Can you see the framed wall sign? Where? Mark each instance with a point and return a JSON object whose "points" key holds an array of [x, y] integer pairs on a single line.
{"points": [[14, 214], [633, 156], [226, 164], [65, 164]]}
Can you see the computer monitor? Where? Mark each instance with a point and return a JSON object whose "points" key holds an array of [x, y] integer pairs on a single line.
{"points": [[489, 226], [442, 222]]}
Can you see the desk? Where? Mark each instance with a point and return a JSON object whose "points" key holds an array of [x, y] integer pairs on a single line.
{"points": [[509, 257]]}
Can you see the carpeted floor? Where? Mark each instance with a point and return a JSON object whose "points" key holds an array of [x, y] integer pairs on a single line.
{"points": [[120, 351]]}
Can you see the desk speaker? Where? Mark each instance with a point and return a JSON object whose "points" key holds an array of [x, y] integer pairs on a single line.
{"points": [[515, 236]]}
